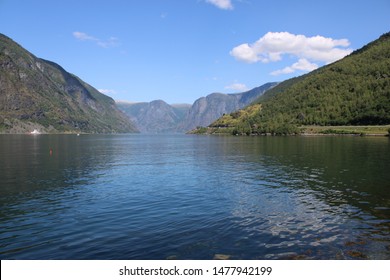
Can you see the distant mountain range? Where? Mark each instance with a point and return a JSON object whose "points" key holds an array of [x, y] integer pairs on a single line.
{"points": [[352, 91], [158, 116], [39, 95], [207, 109], [36, 94]]}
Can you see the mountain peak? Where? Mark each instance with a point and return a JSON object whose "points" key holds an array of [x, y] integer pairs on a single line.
{"points": [[158, 116], [207, 109]]}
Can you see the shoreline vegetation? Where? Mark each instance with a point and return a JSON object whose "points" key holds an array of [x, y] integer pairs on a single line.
{"points": [[310, 130]]}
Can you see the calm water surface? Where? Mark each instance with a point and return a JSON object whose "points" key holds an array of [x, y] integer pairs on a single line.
{"points": [[191, 197]]}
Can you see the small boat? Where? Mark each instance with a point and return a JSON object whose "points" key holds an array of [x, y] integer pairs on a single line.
{"points": [[35, 131]]}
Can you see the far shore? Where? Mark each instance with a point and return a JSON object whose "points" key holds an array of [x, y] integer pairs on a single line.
{"points": [[312, 130], [360, 130]]}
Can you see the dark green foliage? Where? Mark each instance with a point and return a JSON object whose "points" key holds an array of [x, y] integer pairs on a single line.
{"points": [[201, 130], [352, 91], [335, 131]]}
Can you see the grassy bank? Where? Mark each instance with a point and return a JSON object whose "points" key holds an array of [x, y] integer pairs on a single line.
{"points": [[368, 130], [375, 130]]}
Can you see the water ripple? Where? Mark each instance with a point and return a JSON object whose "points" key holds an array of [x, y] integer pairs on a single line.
{"points": [[186, 197]]}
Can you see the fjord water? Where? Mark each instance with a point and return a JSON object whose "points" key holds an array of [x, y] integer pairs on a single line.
{"points": [[192, 197]]}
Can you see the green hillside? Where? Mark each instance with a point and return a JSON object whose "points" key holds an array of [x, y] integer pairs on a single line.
{"points": [[40, 94], [350, 92]]}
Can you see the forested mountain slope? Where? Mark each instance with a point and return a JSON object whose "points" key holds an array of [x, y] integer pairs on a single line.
{"points": [[352, 91]]}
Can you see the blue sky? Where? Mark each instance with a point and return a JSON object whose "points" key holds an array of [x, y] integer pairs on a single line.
{"points": [[180, 50]]}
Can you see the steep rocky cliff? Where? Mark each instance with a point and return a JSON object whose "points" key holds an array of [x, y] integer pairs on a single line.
{"points": [[39, 94]]}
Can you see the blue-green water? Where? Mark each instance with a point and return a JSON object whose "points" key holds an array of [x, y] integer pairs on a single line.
{"points": [[191, 197]]}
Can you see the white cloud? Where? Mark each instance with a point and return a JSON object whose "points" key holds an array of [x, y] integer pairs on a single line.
{"points": [[237, 87], [107, 91], [111, 42], [222, 4], [245, 53], [273, 45], [83, 36], [303, 64]]}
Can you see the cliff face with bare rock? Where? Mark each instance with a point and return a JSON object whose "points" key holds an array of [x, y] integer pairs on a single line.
{"points": [[40, 94], [207, 109]]}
